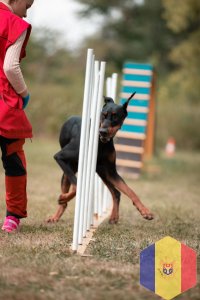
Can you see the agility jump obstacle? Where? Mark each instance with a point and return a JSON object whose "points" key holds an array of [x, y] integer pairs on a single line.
{"points": [[89, 213], [135, 140]]}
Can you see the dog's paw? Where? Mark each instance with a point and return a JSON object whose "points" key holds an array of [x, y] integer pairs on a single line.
{"points": [[113, 221], [147, 214], [52, 220]]}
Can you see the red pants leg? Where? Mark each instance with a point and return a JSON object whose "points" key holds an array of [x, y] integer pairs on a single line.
{"points": [[16, 198], [15, 180]]}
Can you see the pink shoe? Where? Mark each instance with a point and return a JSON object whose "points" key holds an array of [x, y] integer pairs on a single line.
{"points": [[11, 224]]}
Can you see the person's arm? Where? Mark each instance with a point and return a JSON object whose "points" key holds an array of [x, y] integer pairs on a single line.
{"points": [[12, 67]]}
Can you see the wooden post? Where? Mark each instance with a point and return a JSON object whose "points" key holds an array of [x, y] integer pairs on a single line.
{"points": [[149, 142]]}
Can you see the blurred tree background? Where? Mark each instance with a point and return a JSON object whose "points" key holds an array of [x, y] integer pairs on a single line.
{"points": [[165, 33]]}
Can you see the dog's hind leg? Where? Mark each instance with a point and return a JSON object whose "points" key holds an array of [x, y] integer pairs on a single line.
{"points": [[67, 160], [64, 163], [63, 200], [66, 195], [65, 185], [64, 158]]}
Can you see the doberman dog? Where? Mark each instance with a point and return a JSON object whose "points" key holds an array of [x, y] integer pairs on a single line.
{"points": [[111, 120]]}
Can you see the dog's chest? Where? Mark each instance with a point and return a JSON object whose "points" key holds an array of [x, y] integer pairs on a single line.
{"points": [[105, 152]]}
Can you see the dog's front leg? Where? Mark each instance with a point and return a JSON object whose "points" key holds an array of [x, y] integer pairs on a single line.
{"points": [[119, 183], [114, 217], [63, 200]]}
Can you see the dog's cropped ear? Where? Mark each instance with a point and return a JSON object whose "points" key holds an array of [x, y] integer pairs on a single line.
{"points": [[127, 102], [108, 99]]}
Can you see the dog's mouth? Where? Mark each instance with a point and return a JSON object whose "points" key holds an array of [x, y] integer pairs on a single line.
{"points": [[106, 134], [104, 139]]}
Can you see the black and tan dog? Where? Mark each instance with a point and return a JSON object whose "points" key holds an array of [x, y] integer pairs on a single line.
{"points": [[112, 118]]}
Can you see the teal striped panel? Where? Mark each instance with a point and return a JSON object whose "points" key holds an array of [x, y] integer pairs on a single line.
{"points": [[137, 115], [135, 102], [133, 128], [135, 77], [130, 65], [139, 90]]}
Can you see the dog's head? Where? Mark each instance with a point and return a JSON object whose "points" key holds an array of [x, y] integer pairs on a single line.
{"points": [[112, 118]]}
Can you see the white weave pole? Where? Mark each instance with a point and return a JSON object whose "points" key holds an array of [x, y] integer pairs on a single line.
{"points": [[89, 174], [86, 99], [96, 140], [96, 194], [94, 209], [111, 91], [108, 86], [101, 187], [111, 86], [84, 196]]}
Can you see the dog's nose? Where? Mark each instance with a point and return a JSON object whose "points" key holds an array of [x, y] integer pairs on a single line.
{"points": [[103, 131]]}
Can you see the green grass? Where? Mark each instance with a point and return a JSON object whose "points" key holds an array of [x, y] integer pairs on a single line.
{"points": [[37, 262]]}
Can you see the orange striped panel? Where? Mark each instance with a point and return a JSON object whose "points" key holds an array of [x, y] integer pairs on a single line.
{"points": [[129, 163], [136, 83], [137, 71], [138, 109], [126, 148], [131, 135], [138, 96], [135, 122]]}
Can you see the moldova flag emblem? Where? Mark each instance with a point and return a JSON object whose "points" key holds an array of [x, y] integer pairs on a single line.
{"points": [[168, 268]]}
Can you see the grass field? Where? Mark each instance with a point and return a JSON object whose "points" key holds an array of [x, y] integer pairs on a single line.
{"points": [[37, 263]]}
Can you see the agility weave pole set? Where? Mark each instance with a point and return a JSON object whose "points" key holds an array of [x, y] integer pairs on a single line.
{"points": [[92, 197]]}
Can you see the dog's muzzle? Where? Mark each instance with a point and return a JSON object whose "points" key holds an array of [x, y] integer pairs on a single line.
{"points": [[103, 134]]}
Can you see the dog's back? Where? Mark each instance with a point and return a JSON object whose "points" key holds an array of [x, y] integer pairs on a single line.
{"points": [[70, 131]]}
